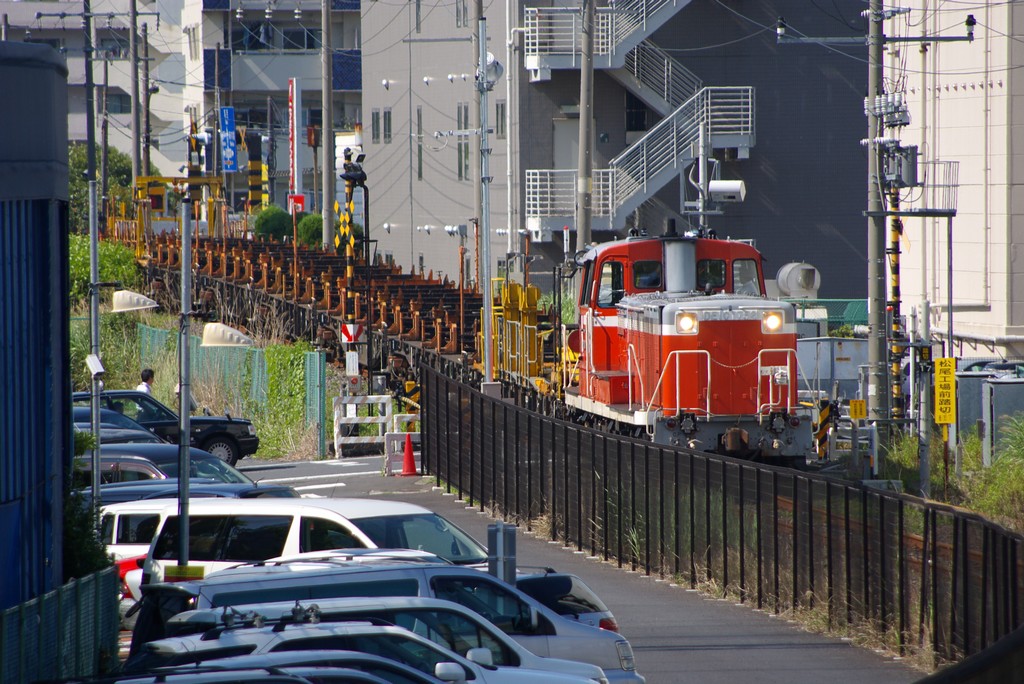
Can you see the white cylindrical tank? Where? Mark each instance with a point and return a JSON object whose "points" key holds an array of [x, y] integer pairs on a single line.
{"points": [[798, 279]]}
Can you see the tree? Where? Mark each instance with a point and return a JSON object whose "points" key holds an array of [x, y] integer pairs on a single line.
{"points": [[311, 230], [119, 183]]}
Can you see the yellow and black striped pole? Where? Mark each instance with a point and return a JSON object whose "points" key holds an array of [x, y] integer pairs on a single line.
{"points": [[896, 341]]}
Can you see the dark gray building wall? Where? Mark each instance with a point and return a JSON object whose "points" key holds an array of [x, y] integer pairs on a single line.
{"points": [[35, 422], [806, 177]]}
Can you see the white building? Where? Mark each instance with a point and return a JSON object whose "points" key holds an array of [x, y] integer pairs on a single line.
{"points": [[965, 106]]}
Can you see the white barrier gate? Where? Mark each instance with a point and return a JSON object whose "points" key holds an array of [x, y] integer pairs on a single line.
{"points": [[345, 410]]}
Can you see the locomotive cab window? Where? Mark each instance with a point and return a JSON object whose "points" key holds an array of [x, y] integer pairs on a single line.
{"points": [[610, 287], [744, 277], [710, 274], [647, 275]]}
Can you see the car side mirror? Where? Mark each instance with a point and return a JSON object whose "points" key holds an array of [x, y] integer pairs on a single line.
{"points": [[480, 656], [449, 672]]}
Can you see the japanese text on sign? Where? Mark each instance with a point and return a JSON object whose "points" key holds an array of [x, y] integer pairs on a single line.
{"points": [[945, 391]]}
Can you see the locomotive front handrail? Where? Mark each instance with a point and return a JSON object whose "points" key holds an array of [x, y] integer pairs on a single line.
{"points": [[760, 368], [674, 357], [631, 360]]}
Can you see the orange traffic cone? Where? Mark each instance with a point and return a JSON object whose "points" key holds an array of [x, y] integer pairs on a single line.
{"points": [[409, 461]]}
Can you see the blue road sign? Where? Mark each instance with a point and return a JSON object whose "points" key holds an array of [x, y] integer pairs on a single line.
{"points": [[228, 148]]}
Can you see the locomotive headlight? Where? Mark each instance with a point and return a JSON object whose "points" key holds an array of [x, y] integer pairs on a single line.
{"points": [[686, 323], [772, 321]]}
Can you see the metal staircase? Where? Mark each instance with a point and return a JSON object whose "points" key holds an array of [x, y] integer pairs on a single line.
{"points": [[657, 78], [552, 34], [723, 116]]}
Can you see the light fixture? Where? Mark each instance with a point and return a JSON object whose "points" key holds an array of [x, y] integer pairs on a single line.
{"points": [[126, 300], [427, 80], [451, 78], [387, 228], [238, 12], [424, 229], [268, 12], [386, 83], [220, 335], [297, 13]]}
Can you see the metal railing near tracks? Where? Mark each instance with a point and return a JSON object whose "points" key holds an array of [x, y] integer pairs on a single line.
{"points": [[927, 576]]}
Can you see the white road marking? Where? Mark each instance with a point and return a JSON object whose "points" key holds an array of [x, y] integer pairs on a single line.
{"points": [[328, 476], [320, 486]]}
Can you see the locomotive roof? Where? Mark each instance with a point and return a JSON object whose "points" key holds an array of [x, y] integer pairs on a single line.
{"points": [[591, 253]]}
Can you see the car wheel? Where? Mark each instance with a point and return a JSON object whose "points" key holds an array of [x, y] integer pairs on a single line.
{"points": [[223, 448]]}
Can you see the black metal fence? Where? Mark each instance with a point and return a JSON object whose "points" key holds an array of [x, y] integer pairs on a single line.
{"points": [[923, 574]]}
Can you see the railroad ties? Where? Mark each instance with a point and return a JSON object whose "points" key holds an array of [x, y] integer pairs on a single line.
{"points": [[259, 286]]}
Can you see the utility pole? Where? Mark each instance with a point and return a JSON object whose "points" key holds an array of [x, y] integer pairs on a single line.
{"points": [[327, 93], [133, 55], [478, 197], [877, 399], [585, 165], [271, 149], [104, 128], [146, 130]]}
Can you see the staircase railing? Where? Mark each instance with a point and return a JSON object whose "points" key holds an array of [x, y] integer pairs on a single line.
{"points": [[659, 71], [671, 145], [556, 31]]}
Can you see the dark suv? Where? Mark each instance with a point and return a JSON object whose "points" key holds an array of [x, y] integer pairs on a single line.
{"points": [[230, 439]]}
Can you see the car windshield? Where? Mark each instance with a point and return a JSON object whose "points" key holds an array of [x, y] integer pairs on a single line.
{"points": [[423, 532], [211, 467]]}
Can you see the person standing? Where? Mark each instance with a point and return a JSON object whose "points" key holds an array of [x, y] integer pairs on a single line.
{"points": [[146, 385]]}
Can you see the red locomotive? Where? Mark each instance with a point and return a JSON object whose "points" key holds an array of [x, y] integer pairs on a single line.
{"points": [[676, 338]]}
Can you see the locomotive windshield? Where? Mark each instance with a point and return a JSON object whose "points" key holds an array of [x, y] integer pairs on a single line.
{"points": [[710, 274], [744, 277]]}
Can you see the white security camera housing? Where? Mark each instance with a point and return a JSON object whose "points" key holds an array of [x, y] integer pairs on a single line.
{"points": [[727, 191], [95, 365]]}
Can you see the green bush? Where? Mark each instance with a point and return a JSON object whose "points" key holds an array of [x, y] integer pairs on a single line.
{"points": [[83, 553], [116, 262], [273, 222], [311, 230]]}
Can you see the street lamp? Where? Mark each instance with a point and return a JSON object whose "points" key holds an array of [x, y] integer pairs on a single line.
{"points": [[218, 335]]}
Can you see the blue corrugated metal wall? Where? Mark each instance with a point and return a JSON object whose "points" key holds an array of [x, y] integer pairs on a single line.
{"points": [[35, 386]]}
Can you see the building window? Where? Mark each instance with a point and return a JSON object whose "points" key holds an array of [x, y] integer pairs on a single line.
{"points": [[637, 114], [301, 39], [462, 123], [418, 15], [250, 36], [387, 125], [499, 119], [119, 103], [375, 126], [113, 48], [419, 142], [461, 13]]}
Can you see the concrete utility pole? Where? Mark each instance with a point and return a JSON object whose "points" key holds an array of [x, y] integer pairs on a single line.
{"points": [[327, 92], [585, 165], [146, 131], [478, 198], [878, 397], [133, 55], [104, 128]]}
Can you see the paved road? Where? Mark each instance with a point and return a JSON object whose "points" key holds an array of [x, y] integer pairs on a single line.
{"points": [[678, 635]]}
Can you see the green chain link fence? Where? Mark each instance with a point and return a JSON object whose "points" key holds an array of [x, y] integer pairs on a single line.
{"points": [[241, 372]]}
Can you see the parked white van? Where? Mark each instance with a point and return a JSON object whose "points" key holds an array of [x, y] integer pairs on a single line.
{"points": [[225, 532]]}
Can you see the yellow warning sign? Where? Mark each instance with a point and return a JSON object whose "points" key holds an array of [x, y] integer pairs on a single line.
{"points": [[858, 409], [945, 391], [182, 573]]}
